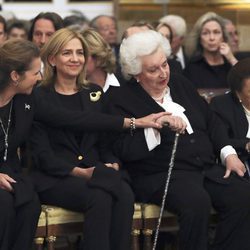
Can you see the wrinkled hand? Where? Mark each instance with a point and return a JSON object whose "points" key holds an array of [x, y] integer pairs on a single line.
{"points": [[5, 182], [234, 164], [226, 51], [150, 121], [86, 173], [115, 166], [175, 123]]}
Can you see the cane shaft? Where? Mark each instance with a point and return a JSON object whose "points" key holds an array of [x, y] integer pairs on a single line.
{"points": [[171, 165]]}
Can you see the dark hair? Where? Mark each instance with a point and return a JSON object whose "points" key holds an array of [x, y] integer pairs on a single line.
{"points": [[51, 16], [20, 24], [238, 73], [74, 19], [16, 55], [3, 21]]}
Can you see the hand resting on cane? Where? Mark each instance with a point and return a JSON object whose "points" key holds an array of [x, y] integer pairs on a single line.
{"points": [[175, 123]]}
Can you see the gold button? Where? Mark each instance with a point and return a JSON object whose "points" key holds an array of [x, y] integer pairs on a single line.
{"points": [[80, 157]]}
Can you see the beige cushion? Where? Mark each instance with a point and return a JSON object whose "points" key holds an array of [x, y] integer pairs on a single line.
{"points": [[150, 211], [42, 219]]}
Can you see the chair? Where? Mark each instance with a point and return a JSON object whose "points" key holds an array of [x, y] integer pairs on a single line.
{"points": [[169, 223], [209, 93], [150, 214], [41, 231], [62, 222]]}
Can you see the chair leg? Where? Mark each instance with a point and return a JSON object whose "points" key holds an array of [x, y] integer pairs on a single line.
{"points": [[147, 239], [51, 242], [135, 239], [39, 243]]}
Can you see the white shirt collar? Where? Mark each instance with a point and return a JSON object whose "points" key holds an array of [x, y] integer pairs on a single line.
{"points": [[180, 57], [111, 80]]}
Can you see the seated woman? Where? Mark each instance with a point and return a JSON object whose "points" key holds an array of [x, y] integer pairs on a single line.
{"points": [[212, 57], [234, 108], [197, 182], [73, 170], [20, 207]]}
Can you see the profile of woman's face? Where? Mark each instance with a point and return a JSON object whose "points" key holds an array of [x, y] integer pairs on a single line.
{"points": [[155, 72], [164, 30], [70, 60], [27, 81], [211, 36]]}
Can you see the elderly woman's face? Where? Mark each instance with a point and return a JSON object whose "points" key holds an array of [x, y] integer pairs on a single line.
{"points": [[155, 72], [211, 36]]}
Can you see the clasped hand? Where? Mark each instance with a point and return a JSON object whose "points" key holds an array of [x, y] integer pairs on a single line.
{"points": [[175, 123]]}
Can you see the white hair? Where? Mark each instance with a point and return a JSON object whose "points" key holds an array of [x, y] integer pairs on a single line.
{"points": [[138, 45], [177, 23]]}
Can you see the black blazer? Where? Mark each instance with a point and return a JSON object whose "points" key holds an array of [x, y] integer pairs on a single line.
{"points": [[194, 152], [232, 114], [21, 120], [56, 151]]}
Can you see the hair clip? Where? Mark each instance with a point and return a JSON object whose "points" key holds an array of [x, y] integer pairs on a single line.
{"points": [[95, 96]]}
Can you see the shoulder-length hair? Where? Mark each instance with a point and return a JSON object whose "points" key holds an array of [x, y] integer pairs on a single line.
{"points": [[100, 50], [193, 44], [55, 44]]}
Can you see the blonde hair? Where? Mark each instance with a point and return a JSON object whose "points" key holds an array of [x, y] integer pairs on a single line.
{"points": [[100, 50], [55, 44]]}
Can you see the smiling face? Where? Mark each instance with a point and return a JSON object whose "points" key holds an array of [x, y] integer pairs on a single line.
{"points": [[211, 36], [69, 62], [155, 72], [27, 81]]}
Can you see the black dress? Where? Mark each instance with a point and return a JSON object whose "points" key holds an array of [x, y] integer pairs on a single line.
{"points": [[203, 75]]}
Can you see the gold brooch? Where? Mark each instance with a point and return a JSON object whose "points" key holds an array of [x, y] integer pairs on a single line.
{"points": [[95, 96]]}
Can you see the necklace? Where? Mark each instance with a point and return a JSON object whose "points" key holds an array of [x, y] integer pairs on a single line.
{"points": [[6, 132], [159, 99]]}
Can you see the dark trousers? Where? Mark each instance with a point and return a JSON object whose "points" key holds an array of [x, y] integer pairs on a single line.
{"points": [[191, 195], [108, 221], [17, 224]]}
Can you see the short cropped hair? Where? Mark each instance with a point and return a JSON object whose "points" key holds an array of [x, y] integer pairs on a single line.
{"points": [[138, 45], [237, 74]]}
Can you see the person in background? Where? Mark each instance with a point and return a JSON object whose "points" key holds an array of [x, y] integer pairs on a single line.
{"points": [[179, 29], [17, 29], [234, 40], [20, 206], [77, 21], [211, 55], [43, 26], [107, 27], [234, 108], [101, 62], [3, 30], [197, 181]]}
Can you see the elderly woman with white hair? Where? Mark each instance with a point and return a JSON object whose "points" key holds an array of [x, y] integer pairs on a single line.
{"points": [[197, 181]]}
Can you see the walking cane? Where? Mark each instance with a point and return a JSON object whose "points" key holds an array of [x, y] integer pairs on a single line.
{"points": [[171, 165]]}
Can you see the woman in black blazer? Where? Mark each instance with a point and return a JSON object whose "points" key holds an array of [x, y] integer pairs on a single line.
{"points": [[20, 207], [74, 170], [234, 108], [197, 181]]}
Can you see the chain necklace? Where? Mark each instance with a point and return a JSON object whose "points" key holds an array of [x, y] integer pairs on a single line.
{"points": [[6, 132]]}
